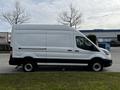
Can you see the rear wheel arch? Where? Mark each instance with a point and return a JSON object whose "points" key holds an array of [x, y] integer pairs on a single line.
{"points": [[28, 61]]}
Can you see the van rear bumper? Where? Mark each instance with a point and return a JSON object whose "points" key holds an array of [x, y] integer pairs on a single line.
{"points": [[16, 61]]}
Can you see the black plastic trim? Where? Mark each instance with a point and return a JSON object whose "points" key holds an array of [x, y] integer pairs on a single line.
{"points": [[18, 61]]}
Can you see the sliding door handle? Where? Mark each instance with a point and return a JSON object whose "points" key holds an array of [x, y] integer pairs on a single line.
{"points": [[69, 50]]}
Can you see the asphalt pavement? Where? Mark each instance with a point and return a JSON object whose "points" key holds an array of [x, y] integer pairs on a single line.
{"points": [[6, 68]]}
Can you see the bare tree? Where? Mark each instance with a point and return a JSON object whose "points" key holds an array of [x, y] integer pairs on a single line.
{"points": [[71, 17], [17, 16]]}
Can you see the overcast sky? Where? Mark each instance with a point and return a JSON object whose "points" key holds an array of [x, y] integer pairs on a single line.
{"points": [[95, 13]]}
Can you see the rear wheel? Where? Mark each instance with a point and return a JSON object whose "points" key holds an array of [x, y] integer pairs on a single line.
{"points": [[29, 67], [96, 66]]}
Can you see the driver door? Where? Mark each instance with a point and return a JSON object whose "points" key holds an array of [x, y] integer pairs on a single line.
{"points": [[83, 49]]}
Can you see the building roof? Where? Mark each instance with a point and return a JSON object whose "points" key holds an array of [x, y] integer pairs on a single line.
{"points": [[101, 30]]}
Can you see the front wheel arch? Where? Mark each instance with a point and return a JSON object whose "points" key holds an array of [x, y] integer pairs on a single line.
{"points": [[97, 59], [96, 64]]}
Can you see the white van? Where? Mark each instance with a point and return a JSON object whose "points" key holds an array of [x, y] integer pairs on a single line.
{"points": [[54, 45]]}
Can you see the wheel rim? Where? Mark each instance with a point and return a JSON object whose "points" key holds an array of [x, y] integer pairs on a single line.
{"points": [[97, 66], [28, 67]]}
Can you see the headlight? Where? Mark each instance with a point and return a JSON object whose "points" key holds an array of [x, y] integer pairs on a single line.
{"points": [[106, 52]]}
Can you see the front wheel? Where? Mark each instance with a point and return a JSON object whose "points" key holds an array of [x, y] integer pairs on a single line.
{"points": [[96, 66], [29, 67]]}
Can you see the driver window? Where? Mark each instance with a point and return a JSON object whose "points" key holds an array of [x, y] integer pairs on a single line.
{"points": [[85, 44]]}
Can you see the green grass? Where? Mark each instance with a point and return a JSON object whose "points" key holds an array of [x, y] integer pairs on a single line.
{"points": [[60, 81]]}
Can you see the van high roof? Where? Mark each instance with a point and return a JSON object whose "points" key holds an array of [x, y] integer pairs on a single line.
{"points": [[41, 27]]}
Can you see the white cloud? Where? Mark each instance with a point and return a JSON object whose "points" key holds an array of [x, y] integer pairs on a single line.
{"points": [[96, 13]]}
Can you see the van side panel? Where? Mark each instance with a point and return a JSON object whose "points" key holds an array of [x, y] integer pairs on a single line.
{"points": [[60, 44], [30, 43]]}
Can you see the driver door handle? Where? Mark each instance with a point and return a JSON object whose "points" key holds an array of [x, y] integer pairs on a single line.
{"points": [[76, 50]]}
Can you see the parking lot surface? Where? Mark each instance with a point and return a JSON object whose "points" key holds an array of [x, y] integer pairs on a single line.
{"points": [[6, 68]]}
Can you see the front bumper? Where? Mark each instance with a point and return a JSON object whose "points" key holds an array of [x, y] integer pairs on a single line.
{"points": [[107, 63]]}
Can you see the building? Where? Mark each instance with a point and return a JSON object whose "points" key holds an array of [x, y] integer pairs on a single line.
{"points": [[4, 38], [103, 35], [4, 41]]}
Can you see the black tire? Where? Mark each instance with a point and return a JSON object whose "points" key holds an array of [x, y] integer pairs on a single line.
{"points": [[29, 67], [96, 66]]}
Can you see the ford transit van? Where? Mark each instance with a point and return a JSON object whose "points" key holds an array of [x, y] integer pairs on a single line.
{"points": [[34, 45]]}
